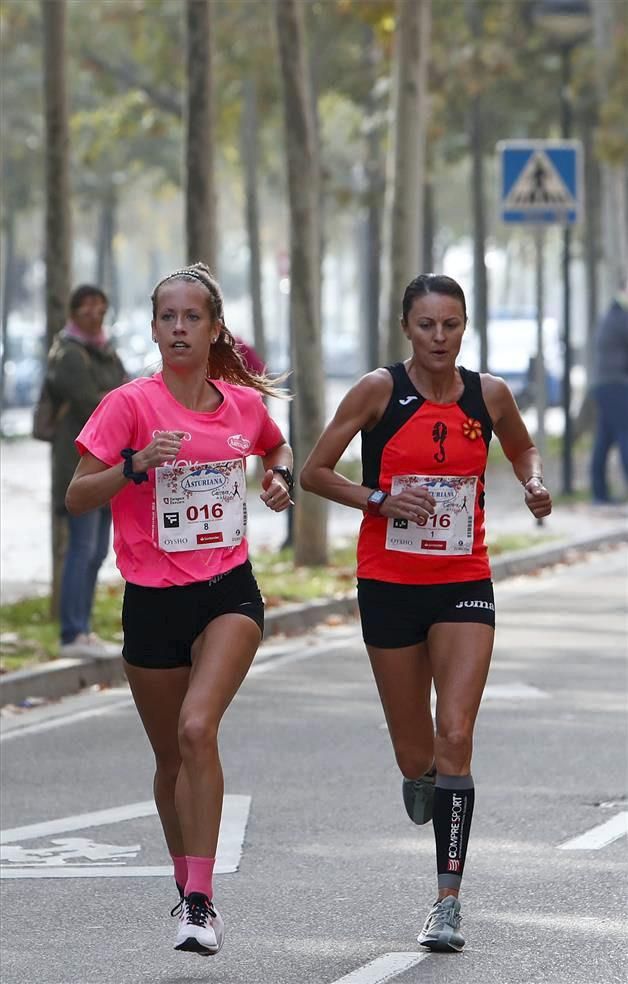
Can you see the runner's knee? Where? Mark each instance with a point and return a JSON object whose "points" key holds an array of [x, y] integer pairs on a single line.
{"points": [[167, 770], [453, 749], [198, 735]]}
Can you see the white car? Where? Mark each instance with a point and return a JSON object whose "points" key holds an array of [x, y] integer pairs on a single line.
{"points": [[512, 346]]}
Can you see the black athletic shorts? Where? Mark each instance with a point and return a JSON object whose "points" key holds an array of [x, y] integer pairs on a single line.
{"points": [[160, 624], [398, 615]]}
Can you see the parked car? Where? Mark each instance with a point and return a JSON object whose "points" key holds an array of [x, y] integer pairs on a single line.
{"points": [[23, 370], [512, 346]]}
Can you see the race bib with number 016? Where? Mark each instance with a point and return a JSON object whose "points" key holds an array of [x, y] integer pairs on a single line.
{"points": [[449, 530], [201, 507]]}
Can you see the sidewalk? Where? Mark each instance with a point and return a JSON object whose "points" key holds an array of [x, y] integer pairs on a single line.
{"points": [[25, 562]]}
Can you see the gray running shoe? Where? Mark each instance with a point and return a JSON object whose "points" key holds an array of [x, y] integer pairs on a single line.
{"points": [[418, 797], [442, 927]]}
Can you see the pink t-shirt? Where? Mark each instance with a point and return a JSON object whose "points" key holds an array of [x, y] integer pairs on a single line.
{"points": [[128, 418]]}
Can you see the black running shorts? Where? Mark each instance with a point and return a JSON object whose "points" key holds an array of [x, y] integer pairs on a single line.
{"points": [[398, 615], [160, 624]]}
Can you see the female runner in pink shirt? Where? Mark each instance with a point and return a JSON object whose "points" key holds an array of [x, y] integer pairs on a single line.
{"points": [[169, 452]]}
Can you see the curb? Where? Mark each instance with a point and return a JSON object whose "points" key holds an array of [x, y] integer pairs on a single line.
{"points": [[62, 677]]}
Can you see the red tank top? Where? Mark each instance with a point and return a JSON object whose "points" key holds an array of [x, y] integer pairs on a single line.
{"points": [[418, 437]]}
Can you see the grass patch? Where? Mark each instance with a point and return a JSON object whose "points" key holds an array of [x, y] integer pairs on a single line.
{"points": [[30, 635], [507, 543]]}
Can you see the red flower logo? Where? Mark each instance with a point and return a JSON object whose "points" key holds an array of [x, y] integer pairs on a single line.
{"points": [[472, 428]]}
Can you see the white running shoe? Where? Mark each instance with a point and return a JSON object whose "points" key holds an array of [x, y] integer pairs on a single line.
{"points": [[201, 929], [442, 927]]}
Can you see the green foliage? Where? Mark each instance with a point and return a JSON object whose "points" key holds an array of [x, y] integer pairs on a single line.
{"points": [[21, 104], [36, 636], [612, 134]]}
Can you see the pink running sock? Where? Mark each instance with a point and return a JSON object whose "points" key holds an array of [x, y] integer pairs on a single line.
{"points": [[180, 869], [200, 871]]}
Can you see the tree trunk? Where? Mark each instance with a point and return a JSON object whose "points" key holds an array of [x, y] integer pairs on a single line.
{"points": [[429, 225], [249, 150], [407, 164], [591, 240], [106, 270], [476, 136], [8, 278], [200, 193], [606, 22], [58, 231], [370, 244], [310, 521]]}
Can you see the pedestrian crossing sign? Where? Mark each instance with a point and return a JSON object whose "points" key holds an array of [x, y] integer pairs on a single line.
{"points": [[541, 181]]}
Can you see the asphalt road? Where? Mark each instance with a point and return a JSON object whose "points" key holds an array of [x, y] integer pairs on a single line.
{"points": [[334, 881]]}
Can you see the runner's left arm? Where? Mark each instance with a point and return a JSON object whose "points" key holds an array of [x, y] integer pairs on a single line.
{"points": [[276, 493]]}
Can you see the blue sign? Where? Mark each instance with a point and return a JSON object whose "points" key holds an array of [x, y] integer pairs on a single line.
{"points": [[541, 181]]}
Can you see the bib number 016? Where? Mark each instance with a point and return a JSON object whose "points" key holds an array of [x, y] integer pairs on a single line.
{"points": [[204, 512], [443, 520]]}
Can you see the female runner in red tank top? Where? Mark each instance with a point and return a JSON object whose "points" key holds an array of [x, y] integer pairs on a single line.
{"points": [[424, 581]]}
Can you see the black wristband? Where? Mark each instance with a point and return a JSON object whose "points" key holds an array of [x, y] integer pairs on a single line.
{"points": [[127, 469], [286, 474]]}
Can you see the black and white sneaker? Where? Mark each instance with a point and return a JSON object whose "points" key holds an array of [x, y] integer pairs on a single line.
{"points": [[201, 929], [176, 910]]}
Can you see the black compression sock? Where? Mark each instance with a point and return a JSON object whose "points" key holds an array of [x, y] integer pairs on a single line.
{"points": [[453, 808]]}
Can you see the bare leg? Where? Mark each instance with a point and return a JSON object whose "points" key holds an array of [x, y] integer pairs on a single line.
{"points": [[460, 656], [221, 657], [158, 696], [404, 678]]}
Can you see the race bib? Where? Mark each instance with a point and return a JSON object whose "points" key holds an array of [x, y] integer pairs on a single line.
{"points": [[201, 507], [449, 530]]}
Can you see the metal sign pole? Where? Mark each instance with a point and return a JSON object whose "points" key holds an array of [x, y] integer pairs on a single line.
{"points": [[541, 184], [540, 377]]}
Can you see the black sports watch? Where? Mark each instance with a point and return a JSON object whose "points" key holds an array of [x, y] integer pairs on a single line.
{"points": [[286, 474], [375, 502], [127, 468]]}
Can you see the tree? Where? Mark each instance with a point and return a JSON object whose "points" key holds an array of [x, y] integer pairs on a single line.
{"points": [[310, 523], [611, 43], [58, 232], [478, 210], [200, 194], [407, 162], [250, 165]]}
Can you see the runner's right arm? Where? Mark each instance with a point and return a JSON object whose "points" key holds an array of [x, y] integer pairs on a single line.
{"points": [[360, 409], [95, 483]]}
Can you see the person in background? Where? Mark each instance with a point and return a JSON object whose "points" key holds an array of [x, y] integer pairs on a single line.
{"points": [[82, 367], [250, 357], [610, 393]]}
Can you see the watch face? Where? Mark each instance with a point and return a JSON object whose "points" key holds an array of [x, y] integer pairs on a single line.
{"points": [[377, 497]]}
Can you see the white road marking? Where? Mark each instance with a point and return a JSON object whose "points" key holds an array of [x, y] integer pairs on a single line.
{"points": [[61, 720], [497, 691], [599, 836], [512, 691], [274, 658], [235, 814], [66, 850], [599, 926], [382, 969], [65, 825], [297, 656], [88, 871]]}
